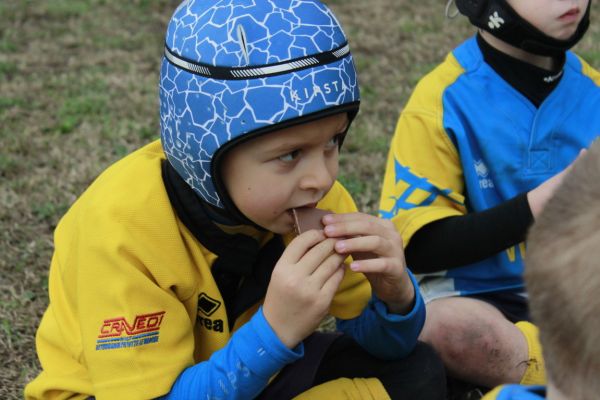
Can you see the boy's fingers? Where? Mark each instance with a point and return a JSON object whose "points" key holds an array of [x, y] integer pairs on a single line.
{"points": [[332, 284], [365, 248], [357, 224], [327, 268], [348, 228], [301, 245], [364, 244], [375, 266], [342, 218], [316, 255], [345, 216]]}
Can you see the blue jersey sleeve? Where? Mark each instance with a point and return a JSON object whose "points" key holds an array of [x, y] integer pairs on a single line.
{"points": [[384, 335], [240, 370]]}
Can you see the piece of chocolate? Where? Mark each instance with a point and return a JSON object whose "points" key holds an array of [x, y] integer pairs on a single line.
{"points": [[306, 218]]}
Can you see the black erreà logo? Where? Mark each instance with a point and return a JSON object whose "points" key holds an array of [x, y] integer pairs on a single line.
{"points": [[206, 307]]}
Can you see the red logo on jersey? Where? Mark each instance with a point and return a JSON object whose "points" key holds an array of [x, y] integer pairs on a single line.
{"points": [[141, 324]]}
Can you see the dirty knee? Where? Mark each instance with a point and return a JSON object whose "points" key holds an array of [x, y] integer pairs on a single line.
{"points": [[467, 344]]}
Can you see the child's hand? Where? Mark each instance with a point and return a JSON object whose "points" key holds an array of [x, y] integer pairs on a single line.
{"points": [[377, 250], [302, 286], [539, 196]]}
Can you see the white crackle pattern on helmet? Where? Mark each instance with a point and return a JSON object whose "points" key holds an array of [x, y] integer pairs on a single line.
{"points": [[268, 48]]}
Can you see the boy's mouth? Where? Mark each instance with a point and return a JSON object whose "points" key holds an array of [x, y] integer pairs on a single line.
{"points": [[571, 14]]}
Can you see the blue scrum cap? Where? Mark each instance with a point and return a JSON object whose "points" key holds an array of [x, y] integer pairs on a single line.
{"points": [[236, 69]]}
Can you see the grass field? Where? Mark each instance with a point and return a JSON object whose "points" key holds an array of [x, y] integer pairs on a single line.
{"points": [[78, 90]]}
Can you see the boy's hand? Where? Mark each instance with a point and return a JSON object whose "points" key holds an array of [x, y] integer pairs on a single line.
{"points": [[302, 286], [377, 250], [539, 196]]}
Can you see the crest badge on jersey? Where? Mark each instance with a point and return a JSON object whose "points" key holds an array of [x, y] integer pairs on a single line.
{"points": [[483, 173]]}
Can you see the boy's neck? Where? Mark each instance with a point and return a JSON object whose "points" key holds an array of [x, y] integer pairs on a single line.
{"points": [[544, 62]]}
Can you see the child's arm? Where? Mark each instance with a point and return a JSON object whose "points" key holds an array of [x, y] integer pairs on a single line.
{"points": [[392, 321], [465, 239], [240, 370], [462, 240]]}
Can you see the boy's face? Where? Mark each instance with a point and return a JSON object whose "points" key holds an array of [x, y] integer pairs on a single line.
{"points": [[294, 167], [556, 18]]}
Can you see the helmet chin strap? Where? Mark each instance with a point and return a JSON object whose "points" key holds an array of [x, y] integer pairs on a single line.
{"points": [[501, 20]]}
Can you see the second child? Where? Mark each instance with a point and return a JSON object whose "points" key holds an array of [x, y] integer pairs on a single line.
{"points": [[481, 145]]}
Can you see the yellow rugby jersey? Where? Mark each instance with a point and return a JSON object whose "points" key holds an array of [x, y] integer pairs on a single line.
{"points": [[132, 298]]}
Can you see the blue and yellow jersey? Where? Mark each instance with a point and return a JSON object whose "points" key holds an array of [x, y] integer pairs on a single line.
{"points": [[516, 392], [467, 141]]}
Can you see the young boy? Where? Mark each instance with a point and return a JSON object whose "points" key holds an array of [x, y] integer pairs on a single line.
{"points": [[478, 149], [563, 249], [171, 277]]}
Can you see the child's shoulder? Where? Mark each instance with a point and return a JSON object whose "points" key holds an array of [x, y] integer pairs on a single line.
{"points": [[444, 73], [130, 184], [583, 67], [432, 85], [136, 171]]}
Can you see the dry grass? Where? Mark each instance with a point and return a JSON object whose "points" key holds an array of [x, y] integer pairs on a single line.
{"points": [[78, 90]]}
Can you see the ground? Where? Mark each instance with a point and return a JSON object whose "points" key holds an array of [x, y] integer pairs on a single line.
{"points": [[78, 90]]}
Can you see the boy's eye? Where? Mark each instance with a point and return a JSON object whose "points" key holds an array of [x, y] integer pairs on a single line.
{"points": [[335, 141], [289, 157]]}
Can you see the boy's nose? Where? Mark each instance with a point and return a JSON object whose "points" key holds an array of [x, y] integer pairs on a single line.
{"points": [[319, 175]]}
